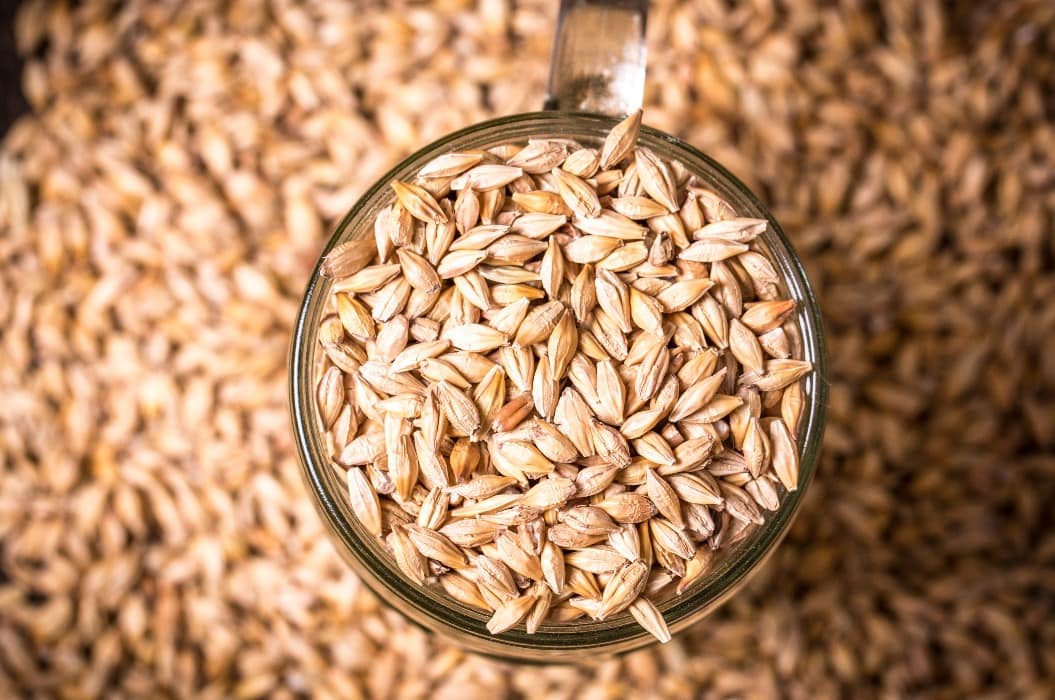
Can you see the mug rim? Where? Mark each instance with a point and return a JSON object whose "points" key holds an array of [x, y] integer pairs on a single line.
{"points": [[619, 633]]}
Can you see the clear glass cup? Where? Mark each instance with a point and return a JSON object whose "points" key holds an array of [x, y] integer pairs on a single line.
{"points": [[430, 607]]}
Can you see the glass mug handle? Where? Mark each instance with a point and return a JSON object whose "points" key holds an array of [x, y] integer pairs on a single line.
{"points": [[598, 62]]}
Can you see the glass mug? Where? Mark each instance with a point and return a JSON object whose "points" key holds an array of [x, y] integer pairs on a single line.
{"points": [[597, 74]]}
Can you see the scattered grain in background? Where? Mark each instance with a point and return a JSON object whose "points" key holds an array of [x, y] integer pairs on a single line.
{"points": [[161, 208]]}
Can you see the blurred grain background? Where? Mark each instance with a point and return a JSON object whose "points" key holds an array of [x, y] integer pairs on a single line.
{"points": [[178, 171]]}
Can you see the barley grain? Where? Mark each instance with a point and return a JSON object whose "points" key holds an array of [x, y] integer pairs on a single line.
{"points": [[584, 367]]}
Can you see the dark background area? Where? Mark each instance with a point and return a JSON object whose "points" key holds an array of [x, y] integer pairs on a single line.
{"points": [[12, 104]]}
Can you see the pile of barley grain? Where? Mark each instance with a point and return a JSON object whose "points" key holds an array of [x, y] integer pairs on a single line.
{"points": [[591, 453], [161, 207]]}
